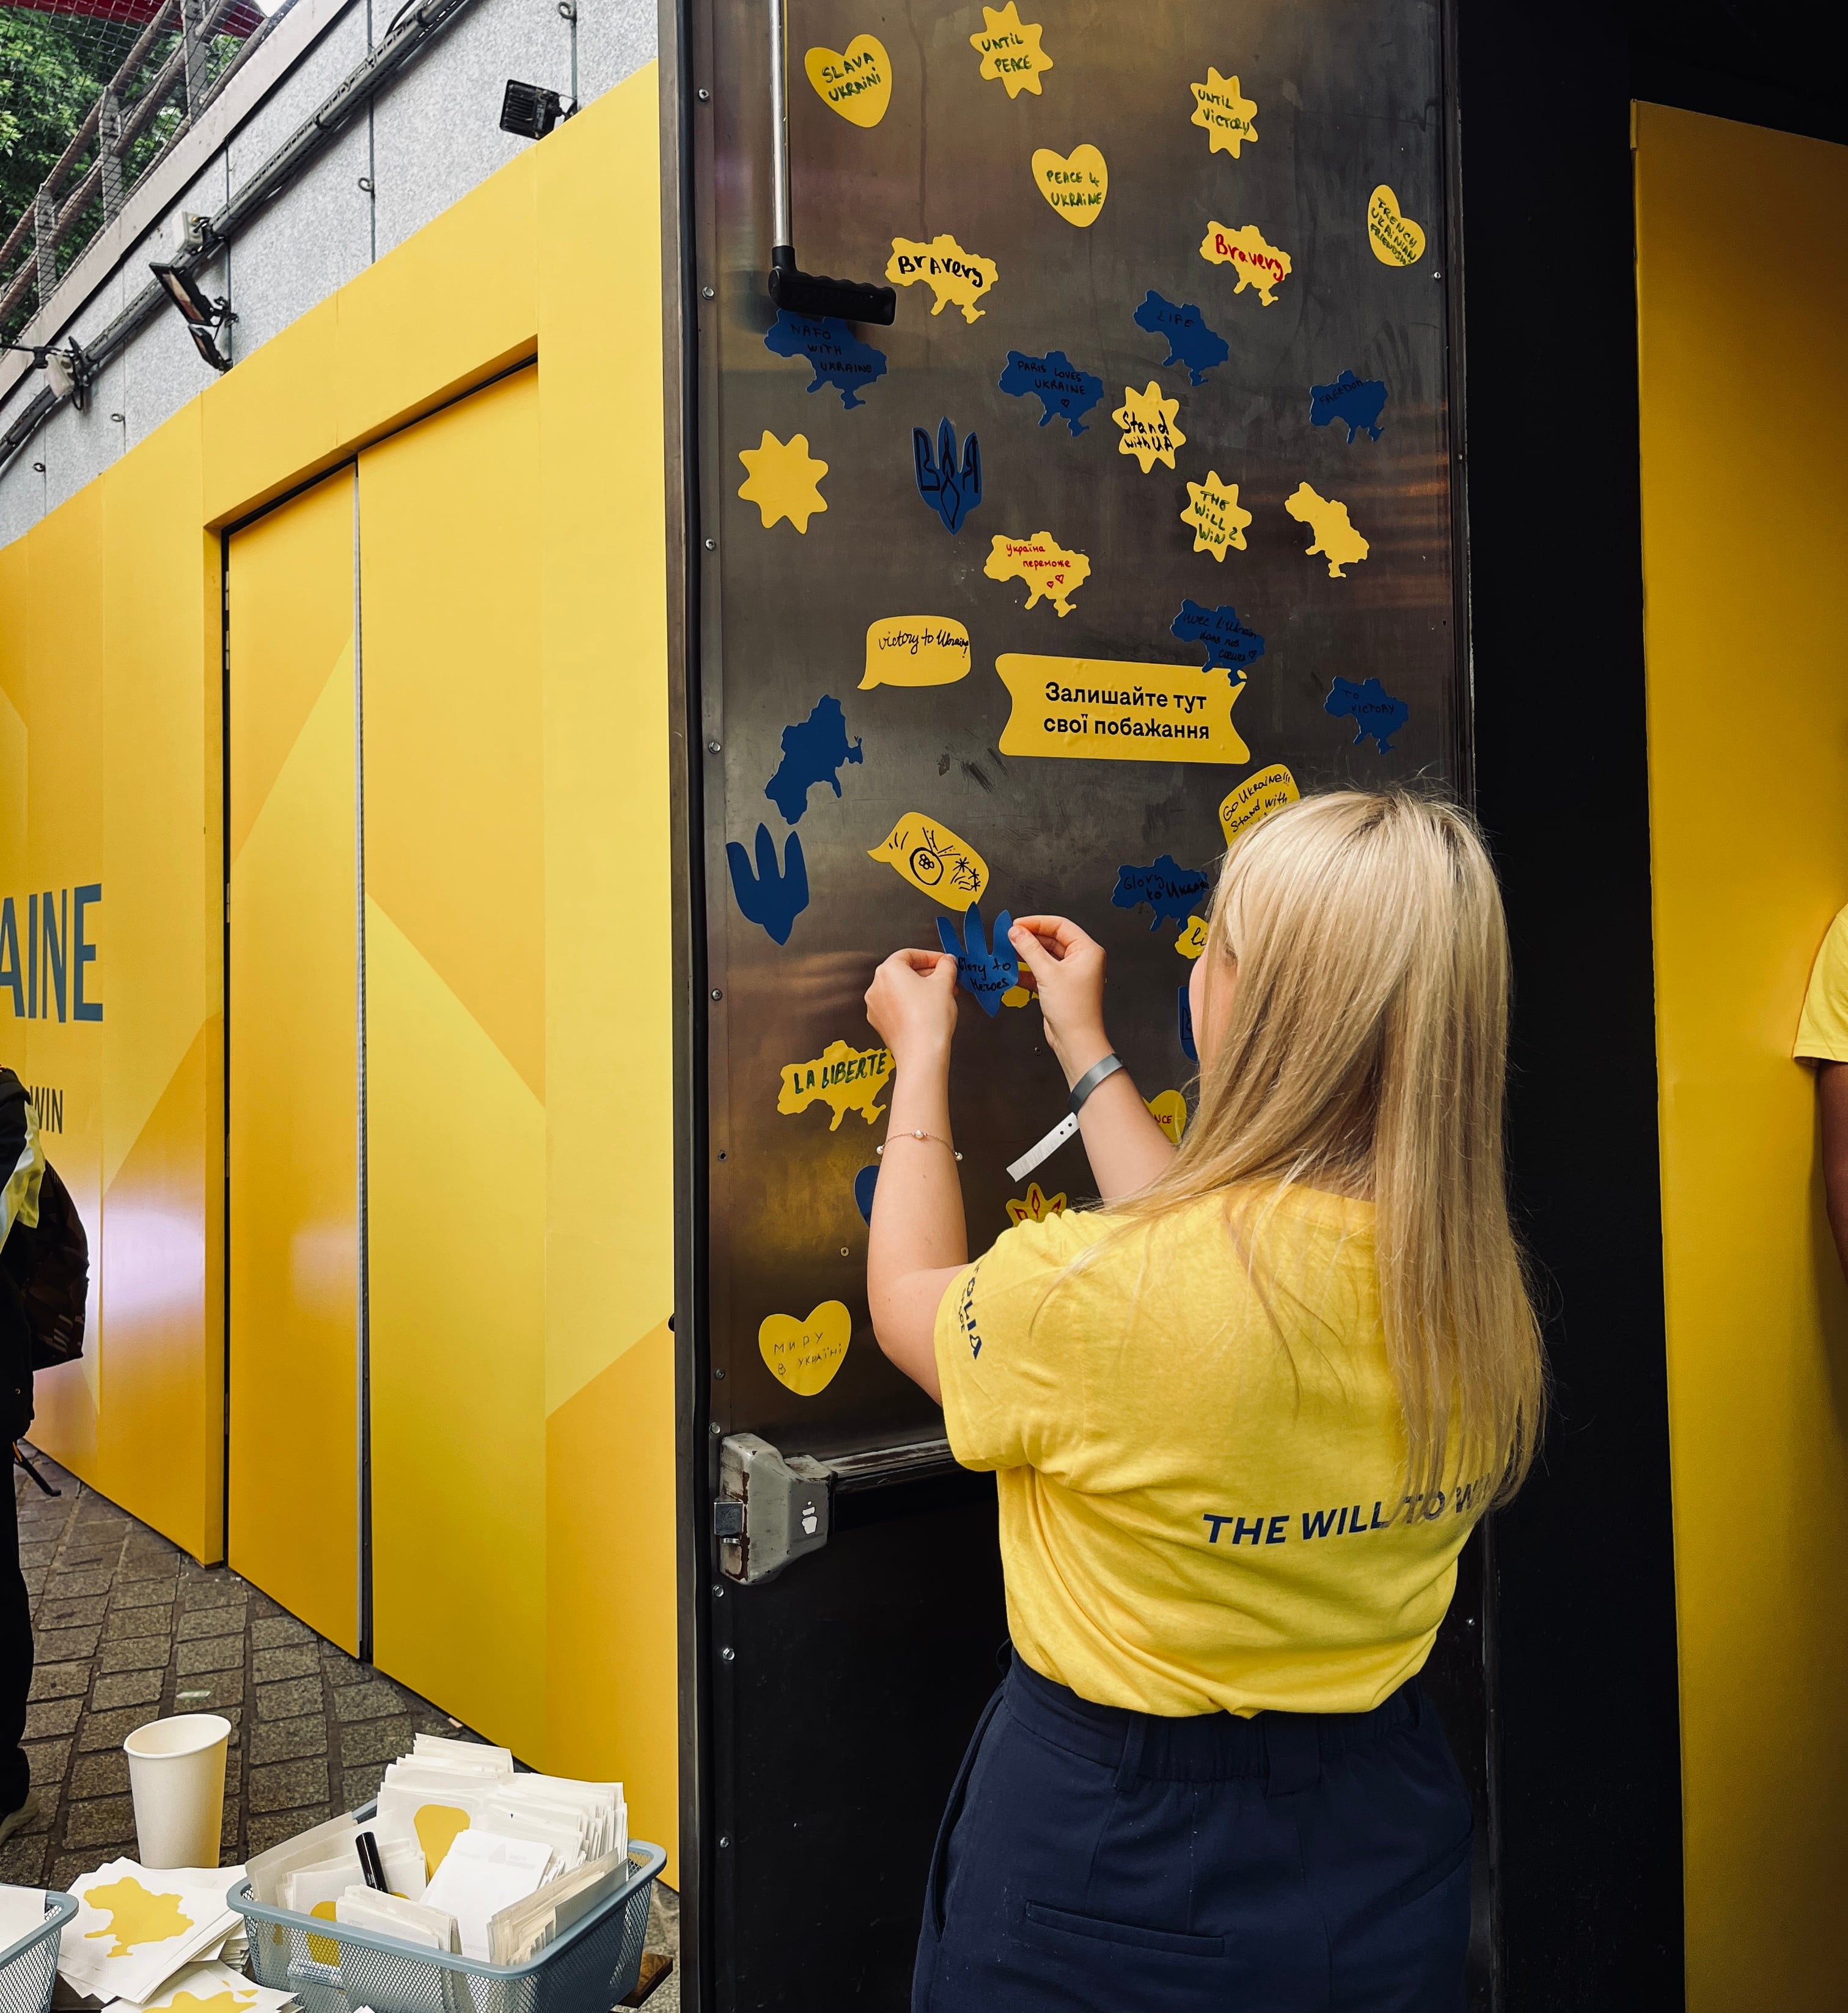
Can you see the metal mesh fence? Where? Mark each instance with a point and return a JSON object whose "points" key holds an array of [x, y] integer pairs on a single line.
{"points": [[92, 93]]}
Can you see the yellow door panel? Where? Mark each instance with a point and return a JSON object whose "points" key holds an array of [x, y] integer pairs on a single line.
{"points": [[293, 1063]]}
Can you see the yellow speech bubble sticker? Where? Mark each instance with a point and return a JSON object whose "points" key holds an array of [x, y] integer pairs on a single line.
{"points": [[957, 278], [1335, 539], [1075, 183], [1168, 1108], [856, 82], [805, 1354], [1035, 1205], [845, 1079], [1226, 116], [1094, 709], [1396, 240], [783, 481], [1192, 940], [1217, 518], [916, 650], [1258, 263], [936, 862], [1051, 573], [1009, 50], [1256, 798], [1147, 420]]}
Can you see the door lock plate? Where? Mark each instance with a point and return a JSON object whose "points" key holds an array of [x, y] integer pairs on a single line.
{"points": [[771, 1508]]}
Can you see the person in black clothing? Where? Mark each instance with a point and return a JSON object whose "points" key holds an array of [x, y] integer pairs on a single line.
{"points": [[22, 1164]]}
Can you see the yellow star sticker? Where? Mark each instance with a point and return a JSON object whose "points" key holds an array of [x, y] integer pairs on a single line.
{"points": [[1226, 116], [1009, 50], [1147, 420], [1212, 510], [783, 481], [1037, 1206]]}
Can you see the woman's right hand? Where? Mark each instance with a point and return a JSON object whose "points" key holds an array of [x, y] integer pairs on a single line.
{"points": [[1067, 970]]}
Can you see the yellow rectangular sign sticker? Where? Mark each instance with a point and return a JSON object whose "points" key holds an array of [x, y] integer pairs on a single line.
{"points": [[1099, 709]]}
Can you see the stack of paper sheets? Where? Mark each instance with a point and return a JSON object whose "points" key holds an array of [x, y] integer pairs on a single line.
{"points": [[214, 1986], [137, 1930], [22, 1910]]}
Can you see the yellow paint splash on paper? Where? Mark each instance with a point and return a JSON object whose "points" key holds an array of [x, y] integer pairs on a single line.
{"points": [[936, 862], [1150, 433], [804, 1355], [916, 650], [1396, 240], [958, 278], [1335, 539], [137, 1916], [438, 1826], [1009, 50], [1192, 940], [856, 82], [783, 481], [843, 1078], [1226, 116], [1051, 573], [1035, 1205], [1216, 516], [325, 1950], [1258, 263], [1075, 183], [1256, 798], [1097, 708], [226, 2001], [1168, 1108]]}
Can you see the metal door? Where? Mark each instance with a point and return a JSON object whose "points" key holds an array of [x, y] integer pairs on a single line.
{"points": [[1137, 518]]}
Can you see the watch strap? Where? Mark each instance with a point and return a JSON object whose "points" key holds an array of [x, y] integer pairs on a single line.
{"points": [[1091, 1079]]}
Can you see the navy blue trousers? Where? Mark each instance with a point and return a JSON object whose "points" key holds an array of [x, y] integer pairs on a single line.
{"points": [[1293, 1863]]}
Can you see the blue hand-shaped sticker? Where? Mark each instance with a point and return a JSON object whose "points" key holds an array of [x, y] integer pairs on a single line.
{"points": [[951, 496], [770, 899], [1183, 1008], [987, 971], [864, 1183]]}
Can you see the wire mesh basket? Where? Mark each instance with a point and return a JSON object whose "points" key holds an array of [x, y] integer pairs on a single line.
{"points": [[29, 1968], [332, 1968]]}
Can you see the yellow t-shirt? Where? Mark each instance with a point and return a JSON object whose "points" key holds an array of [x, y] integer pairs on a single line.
{"points": [[1822, 1033], [1198, 1512]]}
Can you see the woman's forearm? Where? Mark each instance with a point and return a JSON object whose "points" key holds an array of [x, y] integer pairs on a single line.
{"points": [[1125, 1146], [919, 1239]]}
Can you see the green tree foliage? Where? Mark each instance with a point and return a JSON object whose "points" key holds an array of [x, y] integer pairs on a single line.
{"points": [[52, 68]]}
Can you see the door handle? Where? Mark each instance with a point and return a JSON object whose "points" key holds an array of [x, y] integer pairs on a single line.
{"points": [[774, 1507]]}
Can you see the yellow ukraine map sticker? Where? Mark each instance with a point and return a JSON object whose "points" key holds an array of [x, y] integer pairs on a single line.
{"points": [[1147, 420], [1396, 240], [1009, 50], [1168, 1108], [1099, 710], [1335, 537], [1217, 518], [1226, 116], [804, 1355], [916, 650], [1258, 264], [929, 855], [856, 83], [1256, 798], [1035, 1205], [1075, 183], [845, 1079], [1051, 572], [783, 481], [958, 278], [1192, 940]]}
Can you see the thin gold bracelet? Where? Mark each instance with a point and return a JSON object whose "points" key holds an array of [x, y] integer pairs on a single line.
{"points": [[938, 1136]]}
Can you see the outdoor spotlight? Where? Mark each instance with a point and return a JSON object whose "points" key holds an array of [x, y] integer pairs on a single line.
{"points": [[529, 110], [203, 318]]}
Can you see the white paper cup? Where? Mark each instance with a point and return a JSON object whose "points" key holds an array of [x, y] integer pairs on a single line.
{"points": [[176, 1769]]}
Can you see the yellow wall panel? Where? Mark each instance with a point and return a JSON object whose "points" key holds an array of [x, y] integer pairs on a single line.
{"points": [[456, 1187], [294, 1062], [272, 422], [1745, 494]]}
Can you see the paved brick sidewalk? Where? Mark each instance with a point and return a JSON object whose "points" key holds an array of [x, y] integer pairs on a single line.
{"points": [[127, 1628]]}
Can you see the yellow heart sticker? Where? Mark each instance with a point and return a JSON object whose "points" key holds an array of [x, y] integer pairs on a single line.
{"points": [[805, 1354], [1075, 183], [1168, 1108], [857, 84], [1396, 240]]}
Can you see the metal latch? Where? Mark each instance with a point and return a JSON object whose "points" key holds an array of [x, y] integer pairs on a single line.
{"points": [[773, 1507]]}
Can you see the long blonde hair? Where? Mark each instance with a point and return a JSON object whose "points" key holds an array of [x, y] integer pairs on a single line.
{"points": [[1366, 1052]]}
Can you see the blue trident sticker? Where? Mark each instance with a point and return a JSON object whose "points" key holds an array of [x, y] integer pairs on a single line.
{"points": [[951, 495]]}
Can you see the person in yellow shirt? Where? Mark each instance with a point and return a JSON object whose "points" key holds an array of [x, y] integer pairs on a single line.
{"points": [[1822, 1039], [1242, 1418]]}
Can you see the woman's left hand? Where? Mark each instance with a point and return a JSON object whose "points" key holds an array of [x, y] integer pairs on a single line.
{"points": [[912, 1004]]}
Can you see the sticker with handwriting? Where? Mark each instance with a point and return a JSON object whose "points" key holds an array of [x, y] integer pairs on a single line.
{"points": [[1051, 573], [957, 278], [1396, 240], [1009, 50], [1229, 119], [1256, 798], [925, 851], [804, 1355], [1258, 263], [916, 650], [1075, 183], [856, 82], [842, 1078], [1215, 516], [1150, 432]]}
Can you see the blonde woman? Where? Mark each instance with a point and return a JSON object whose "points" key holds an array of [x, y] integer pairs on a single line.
{"points": [[1243, 1417]]}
